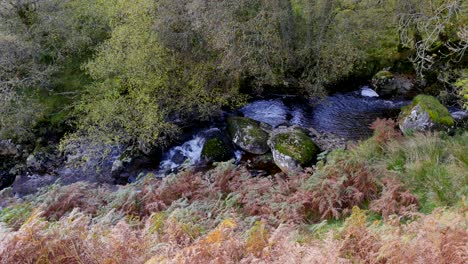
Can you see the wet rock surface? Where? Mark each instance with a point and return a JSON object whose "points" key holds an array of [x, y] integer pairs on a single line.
{"points": [[292, 149], [425, 113], [248, 135], [328, 123], [388, 84], [460, 117], [28, 184]]}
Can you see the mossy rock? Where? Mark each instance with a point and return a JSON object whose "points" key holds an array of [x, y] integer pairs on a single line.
{"points": [[383, 75], [248, 135], [425, 113], [292, 149], [216, 150], [384, 83], [388, 84]]}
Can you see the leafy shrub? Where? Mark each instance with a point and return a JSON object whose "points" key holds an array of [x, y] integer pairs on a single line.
{"points": [[16, 215], [59, 201], [385, 130], [338, 186], [394, 200]]}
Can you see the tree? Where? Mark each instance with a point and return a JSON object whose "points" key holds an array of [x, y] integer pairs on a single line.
{"points": [[18, 72], [436, 30], [41, 43], [143, 89]]}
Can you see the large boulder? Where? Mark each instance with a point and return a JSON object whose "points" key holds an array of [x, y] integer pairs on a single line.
{"points": [[388, 84], [292, 149], [89, 162], [425, 113], [248, 135], [217, 147], [461, 118], [216, 150], [29, 184]]}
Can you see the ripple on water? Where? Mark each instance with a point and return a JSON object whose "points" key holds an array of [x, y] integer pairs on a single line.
{"points": [[272, 112], [349, 116], [345, 115]]}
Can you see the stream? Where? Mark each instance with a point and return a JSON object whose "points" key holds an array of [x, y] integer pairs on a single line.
{"points": [[346, 115]]}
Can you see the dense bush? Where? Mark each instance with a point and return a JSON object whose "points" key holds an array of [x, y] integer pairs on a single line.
{"points": [[42, 44], [156, 64]]}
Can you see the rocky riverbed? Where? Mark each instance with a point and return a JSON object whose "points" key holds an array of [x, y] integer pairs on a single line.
{"points": [[279, 133]]}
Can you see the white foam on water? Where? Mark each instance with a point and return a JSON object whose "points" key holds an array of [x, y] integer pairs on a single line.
{"points": [[238, 155], [298, 117], [272, 112], [187, 153]]}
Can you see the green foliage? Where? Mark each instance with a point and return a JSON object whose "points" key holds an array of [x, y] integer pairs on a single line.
{"points": [[159, 64], [143, 88], [19, 76], [51, 40], [434, 167], [462, 85], [435, 172], [340, 38], [16, 215]]}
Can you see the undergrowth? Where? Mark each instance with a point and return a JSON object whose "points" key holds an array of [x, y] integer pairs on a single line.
{"points": [[390, 199]]}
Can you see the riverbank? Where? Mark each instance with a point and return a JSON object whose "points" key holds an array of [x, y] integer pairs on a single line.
{"points": [[401, 185]]}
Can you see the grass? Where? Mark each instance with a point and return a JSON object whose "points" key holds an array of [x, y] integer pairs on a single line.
{"points": [[432, 166], [405, 204]]}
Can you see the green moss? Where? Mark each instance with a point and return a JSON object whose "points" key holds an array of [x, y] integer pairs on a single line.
{"points": [[381, 75], [249, 127], [437, 112], [216, 150], [296, 145]]}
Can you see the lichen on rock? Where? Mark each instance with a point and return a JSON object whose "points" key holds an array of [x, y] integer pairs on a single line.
{"points": [[425, 113], [390, 84], [248, 135], [215, 149], [292, 149]]}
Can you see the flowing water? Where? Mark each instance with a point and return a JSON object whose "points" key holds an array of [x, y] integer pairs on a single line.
{"points": [[349, 116], [346, 115]]}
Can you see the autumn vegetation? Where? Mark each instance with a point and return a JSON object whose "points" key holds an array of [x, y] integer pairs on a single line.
{"points": [[136, 73], [375, 203]]}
